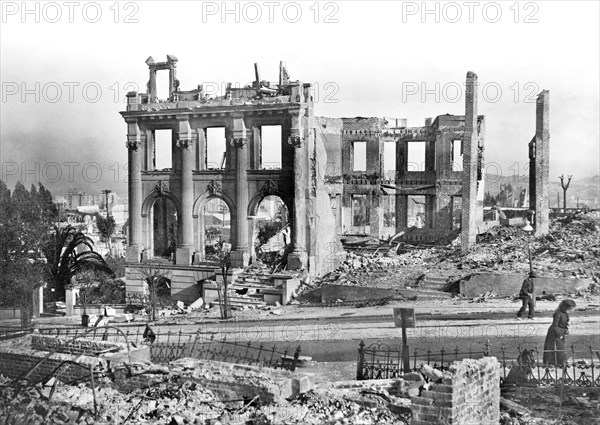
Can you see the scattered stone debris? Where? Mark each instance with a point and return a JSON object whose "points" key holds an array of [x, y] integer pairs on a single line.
{"points": [[556, 405], [571, 249]]}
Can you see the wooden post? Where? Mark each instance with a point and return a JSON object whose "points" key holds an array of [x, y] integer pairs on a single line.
{"points": [[405, 358], [405, 318]]}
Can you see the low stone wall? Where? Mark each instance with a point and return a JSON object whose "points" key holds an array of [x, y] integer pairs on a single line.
{"points": [[506, 285], [468, 393], [349, 293], [68, 346], [10, 313]]}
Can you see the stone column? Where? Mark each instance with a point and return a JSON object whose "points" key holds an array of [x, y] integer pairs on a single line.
{"points": [[470, 154], [240, 256], [298, 259], [540, 164], [186, 145], [152, 85], [134, 182]]}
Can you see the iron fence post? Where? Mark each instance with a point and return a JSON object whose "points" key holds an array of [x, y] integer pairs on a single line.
{"points": [[360, 362], [296, 357]]}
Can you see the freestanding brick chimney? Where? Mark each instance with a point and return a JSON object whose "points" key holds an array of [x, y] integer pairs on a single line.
{"points": [[539, 164]]}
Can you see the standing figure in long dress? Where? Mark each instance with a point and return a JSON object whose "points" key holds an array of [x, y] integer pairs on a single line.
{"points": [[554, 346]]}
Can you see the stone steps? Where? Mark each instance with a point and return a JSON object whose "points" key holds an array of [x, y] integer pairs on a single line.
{"points": [[427, 294], [434, 282]]}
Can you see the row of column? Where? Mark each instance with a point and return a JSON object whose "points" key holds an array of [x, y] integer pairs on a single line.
{"points": [[239, 140]]}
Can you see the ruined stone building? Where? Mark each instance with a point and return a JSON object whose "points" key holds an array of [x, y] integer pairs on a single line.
{"points": [[331, 174]]}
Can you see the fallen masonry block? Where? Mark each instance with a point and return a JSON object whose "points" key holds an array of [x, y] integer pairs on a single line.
{"points": [[434, 375]]}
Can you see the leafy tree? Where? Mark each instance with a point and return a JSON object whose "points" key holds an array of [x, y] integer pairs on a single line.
{"points": [[106, 228], [23, 232], [68, 253], [21, 278]]}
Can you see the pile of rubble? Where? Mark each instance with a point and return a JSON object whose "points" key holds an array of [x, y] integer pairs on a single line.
{"points": [[177, 403], [571, 249]]}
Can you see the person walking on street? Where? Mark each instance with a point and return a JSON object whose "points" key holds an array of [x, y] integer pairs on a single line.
{"points": [[554, 346], [527, 295]]}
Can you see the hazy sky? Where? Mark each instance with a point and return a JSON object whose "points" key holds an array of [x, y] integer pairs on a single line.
{"points": [[63, 82]]}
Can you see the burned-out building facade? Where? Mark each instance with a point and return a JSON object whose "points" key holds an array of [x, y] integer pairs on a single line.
{"points": [[412, 182], [170, 200], [335, 177]]}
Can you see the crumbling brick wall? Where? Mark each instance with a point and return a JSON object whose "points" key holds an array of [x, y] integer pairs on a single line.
{"points": [[16, 362], [468, 393]]}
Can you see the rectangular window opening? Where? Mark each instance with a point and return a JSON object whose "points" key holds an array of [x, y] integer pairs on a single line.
{"points": [[389, 211], [162, 85], [270, 147], [456, 212], [416, 156], [360, 156], [457, 155], [360, 211], [163, 150], [389, 160], [416, 211], [215, 148]]}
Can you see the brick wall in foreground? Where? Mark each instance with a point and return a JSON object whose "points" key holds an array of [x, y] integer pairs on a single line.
{"points": [[15, 363], [469, 394]]}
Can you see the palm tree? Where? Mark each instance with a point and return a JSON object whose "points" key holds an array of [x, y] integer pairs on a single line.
{"points": [[69, 253]]}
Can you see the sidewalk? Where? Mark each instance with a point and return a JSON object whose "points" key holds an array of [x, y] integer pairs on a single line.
{"points": [[449, 309]]}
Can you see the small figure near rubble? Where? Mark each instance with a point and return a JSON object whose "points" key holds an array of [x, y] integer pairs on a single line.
{"points": [[149, 335], [554, 346], [528, 296]]}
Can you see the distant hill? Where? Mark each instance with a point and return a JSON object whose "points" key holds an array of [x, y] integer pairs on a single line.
{"points": [[586, 189]]}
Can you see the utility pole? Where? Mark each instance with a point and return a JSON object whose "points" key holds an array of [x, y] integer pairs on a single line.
{"points": [[106, 192], [562, 183]]}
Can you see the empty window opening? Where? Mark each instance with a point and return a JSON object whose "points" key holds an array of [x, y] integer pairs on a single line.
{"points": [[271, 229], [270, 147], [389, 211], [457, 155], [162, 85], [456, 212], [416, 211], [360, 156], [416, 156], [360, 211], [217, 227], [164, 218], [389, 160], [163, 149], [215, 148]]}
